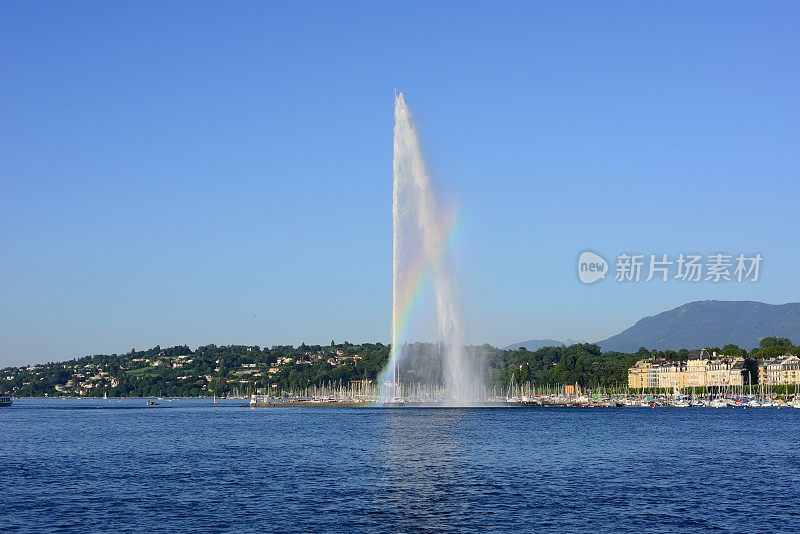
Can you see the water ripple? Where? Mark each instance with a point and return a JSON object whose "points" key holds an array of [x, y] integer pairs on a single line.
{"points": [[198, 468]]}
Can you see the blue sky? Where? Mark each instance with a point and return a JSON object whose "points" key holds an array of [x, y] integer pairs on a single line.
{"points": [[215, 172]]}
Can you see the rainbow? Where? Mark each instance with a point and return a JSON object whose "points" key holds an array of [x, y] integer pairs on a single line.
{"points": [[408, 295]]}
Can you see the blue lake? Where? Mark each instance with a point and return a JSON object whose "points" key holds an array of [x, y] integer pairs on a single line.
{"points": [[187, 465]]}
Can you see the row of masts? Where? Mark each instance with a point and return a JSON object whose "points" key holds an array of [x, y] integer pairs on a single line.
{"points": [[361, 391]]}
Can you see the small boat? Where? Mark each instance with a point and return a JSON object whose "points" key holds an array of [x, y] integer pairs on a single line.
{"points": [[718, 403], [6, 400], [152, 403]]}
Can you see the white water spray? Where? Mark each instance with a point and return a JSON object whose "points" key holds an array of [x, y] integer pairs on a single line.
{"points": [[420, 241]]}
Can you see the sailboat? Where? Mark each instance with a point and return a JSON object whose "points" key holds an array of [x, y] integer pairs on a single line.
{"points": [[678, 399], [215, 401], [795, 401], [719, 402]]}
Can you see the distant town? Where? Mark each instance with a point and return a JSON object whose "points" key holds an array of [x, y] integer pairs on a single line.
{"points": [[241, 371]]}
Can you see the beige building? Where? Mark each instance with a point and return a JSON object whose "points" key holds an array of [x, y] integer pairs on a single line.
{"points": [[672, 375], [700, 370], [784, 370], [637, 375], [725, 372]]}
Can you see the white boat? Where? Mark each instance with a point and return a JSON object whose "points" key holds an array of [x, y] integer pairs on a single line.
{"points": [[719, 403], [679, 400]]}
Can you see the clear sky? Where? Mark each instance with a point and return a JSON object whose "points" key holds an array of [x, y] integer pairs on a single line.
{"points": [[220, 172]]}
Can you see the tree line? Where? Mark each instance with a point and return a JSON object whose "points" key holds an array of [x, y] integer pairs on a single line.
{"points": [[223, 370]]}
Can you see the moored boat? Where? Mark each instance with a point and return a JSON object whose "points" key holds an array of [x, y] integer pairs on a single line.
{"points": [[720, 403], [6, 400]]}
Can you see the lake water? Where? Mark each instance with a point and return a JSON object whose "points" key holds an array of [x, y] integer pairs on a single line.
{"points": [[187, 465]]}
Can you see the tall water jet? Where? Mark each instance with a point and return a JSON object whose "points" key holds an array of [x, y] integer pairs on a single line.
{"points": [[421, 234]]}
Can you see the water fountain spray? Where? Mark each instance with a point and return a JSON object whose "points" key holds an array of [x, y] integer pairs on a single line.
{"points": [[421, 234]]}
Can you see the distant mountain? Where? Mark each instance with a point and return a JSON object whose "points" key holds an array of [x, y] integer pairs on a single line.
{"points": [[710, 323], [535, 344]]}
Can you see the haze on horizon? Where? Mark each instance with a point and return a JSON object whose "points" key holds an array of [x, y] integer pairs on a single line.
{"points": [[174, 174]]}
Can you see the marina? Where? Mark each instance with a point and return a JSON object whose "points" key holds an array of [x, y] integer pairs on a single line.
{"points": [[568, 396]]}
